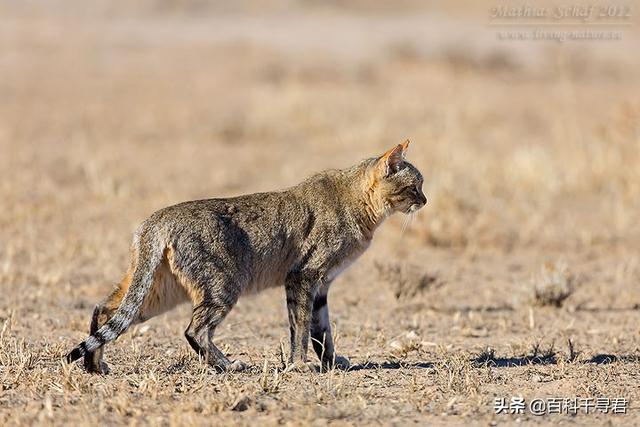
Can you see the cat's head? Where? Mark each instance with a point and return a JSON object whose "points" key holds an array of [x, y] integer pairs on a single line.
{"points": [[397, 183]]}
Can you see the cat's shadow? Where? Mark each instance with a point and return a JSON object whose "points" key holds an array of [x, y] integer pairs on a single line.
{"points": [[390, 365], [507, 362], [494, 362]]}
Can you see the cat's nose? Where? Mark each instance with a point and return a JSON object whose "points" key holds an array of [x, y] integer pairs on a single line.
{"points": [[423, 199]]}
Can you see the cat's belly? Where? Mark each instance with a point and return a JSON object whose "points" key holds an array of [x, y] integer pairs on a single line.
{"points": [[272, 272], [342, 266], [269, 276], [335, 271]]}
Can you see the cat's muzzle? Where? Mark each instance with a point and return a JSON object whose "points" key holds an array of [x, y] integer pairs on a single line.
{"points": [[416, 206]]}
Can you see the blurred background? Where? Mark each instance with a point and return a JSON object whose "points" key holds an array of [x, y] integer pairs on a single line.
{"points": [[112, 109], [529, 142]]}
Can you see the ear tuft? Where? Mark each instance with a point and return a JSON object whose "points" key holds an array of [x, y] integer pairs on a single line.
{"points": [[405, 145]]}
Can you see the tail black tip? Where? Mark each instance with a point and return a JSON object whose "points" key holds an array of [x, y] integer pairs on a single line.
{"points": [[76, 353]]}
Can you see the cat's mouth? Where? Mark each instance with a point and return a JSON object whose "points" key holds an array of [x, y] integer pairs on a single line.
{"points": [[419, 203], [415, 207]]}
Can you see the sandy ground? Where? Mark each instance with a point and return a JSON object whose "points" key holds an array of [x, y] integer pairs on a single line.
{"points": [[531, 158]]}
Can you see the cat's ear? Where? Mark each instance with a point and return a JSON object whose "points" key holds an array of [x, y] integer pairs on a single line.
{"points": [[405, 146], [390, 161]]}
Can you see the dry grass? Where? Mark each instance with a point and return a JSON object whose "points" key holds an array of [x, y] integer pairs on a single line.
{"points": [[554, 285], [530, 152], [409, 281]]}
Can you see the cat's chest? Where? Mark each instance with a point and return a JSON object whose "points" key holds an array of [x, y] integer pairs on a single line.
{"points": [[345, 260]]}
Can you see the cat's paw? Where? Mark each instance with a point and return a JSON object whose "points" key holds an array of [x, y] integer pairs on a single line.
{"points": [[104, 368], [236, 366], [342, 363], [100, 368], [301, 367], [339, 362]]}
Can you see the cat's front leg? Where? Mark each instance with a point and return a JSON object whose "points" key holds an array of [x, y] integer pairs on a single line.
{"points": [[321, 337], [299, 306]]}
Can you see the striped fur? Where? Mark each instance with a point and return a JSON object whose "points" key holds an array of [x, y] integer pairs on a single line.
{"points": [[210, 252], [149, 256]]}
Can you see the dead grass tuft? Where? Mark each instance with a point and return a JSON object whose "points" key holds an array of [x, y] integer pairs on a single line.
{"points": [[537, 356], [456, 375], [409, 281], [553, 285]]}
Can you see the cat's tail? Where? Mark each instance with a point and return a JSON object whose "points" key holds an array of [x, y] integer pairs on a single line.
{"points": [[149, 256]]}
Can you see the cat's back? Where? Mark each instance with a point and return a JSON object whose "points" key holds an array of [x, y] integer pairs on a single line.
{"points": [[316, 208], [246, 212]]}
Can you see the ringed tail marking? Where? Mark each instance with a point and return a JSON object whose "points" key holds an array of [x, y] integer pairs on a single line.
{"points": [[149, 259]]}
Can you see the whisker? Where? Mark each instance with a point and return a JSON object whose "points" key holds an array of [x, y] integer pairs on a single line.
{"points": [[407, 222]]}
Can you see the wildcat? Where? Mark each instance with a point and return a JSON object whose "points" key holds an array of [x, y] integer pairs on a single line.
{"points": [[210, 252]]}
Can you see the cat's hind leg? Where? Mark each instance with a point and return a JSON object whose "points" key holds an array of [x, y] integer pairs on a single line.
{"points": [[213, 286], [206, 316], [211, 304]]}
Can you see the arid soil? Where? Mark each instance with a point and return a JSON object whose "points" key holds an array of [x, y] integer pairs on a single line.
{"points": [[520, 278]]}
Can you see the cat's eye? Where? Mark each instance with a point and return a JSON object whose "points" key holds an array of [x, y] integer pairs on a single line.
{"points": [[412, 190]]}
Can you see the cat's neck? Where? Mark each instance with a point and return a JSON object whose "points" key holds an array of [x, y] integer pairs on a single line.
{"points": [[349, 192], [367, 211]]}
